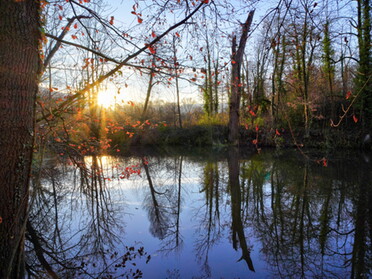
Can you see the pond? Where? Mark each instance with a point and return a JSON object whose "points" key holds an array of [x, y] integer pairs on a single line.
{"points": [[203, 214]]}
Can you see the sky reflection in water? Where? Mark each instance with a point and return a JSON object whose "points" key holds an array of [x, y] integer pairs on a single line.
{"points": [[210, 215]]}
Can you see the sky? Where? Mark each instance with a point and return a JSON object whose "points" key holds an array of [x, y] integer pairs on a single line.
{"points": [[137, 86], [132, 86]]}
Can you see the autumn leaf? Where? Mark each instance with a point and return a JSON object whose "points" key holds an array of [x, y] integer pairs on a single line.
{"points": [[254, 141], [252, 113], [257, 128], [153, 34], [60, 17], [277, 132], [75, 26], [140, 20], [355, 118], [74, 37], [348, 95], [178, 35], [112, 20], [151, 48]]}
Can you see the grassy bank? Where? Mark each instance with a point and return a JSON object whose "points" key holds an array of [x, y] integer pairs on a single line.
{"points": [[216, 135]]}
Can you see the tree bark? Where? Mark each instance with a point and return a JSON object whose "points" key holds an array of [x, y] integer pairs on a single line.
{"points": [[237, 59], [20, 65]]}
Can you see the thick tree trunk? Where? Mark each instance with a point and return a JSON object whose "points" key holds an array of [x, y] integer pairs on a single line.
{"points": [[19, 71], [237, 59]]}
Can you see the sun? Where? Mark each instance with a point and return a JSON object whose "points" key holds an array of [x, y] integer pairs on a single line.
{"points": [[111, 95], [107, 98]]}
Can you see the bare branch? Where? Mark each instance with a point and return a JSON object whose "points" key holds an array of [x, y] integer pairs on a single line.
{"points": [[110, 73]]}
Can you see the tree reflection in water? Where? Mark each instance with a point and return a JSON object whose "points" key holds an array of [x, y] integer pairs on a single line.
{"points": [[236, 204], [73, 225], [302, 219], [164, 205]]}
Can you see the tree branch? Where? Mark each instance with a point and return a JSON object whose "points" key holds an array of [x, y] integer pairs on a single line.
{"points": [[59, 40], [110, 73]]}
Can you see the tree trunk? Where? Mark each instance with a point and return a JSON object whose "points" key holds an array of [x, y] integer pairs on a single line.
{"points": [[176, 74], [237, 59], [19, 71], [364, 75], [149, 88]]}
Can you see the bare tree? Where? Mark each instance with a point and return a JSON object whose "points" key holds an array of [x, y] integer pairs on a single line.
{"points": [[237, 59]]}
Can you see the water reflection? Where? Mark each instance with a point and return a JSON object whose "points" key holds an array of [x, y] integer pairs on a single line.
{"points": [[224, 214], [75, 226]]}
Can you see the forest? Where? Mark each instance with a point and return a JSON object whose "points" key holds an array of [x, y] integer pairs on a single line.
{"points": [[81, 78]]}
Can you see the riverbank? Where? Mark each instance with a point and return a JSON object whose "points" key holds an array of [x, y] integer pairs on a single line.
{"points": [[216, 135]]}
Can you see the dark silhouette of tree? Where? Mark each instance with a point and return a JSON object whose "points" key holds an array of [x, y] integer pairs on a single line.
{"points": [[20, 66], [235, 95]]}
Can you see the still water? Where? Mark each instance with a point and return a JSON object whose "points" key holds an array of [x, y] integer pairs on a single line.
{"points": [[203, 214]]}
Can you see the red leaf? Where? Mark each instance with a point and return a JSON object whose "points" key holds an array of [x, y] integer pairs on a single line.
{"points": [[178, 35], [112, 20], [256, 128], [355, 118], [348, 95], [277, 132], [254, 141], [139, 20], [252, 113], [324, 162], [153, 34], [75, 26], [60, 17], [151, 49], [74, 37]]}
